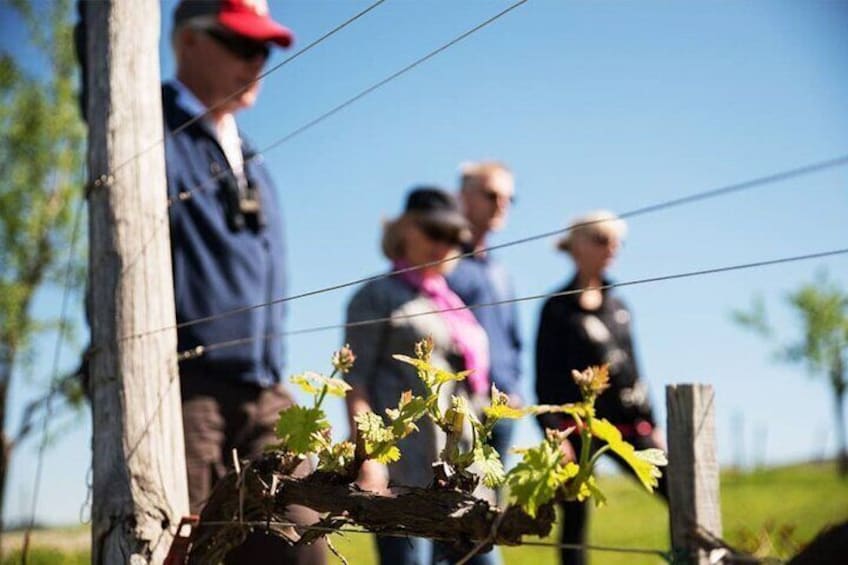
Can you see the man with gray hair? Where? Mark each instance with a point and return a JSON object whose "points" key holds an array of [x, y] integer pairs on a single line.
{"points": [[487, 191]]}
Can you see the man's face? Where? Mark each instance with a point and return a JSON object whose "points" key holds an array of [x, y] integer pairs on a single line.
{"points": [[219, 64], [487, 199]]}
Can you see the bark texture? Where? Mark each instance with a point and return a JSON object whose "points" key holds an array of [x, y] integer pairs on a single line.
{"points": [[140, 489]]}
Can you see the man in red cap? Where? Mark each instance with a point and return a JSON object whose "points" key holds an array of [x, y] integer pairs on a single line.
{"points": [[227, 248]]}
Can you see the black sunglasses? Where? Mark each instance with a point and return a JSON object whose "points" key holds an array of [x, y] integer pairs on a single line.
{"points": [[493, 196], [602, 240], [441, 234], [244, 48]]}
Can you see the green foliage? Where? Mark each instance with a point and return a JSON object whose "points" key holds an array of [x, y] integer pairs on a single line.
{"points": [[410, 409], [644, 463], [378, 438], [41, 159], [336, 457], [41, 156], [316, 384], [545, 468], [489, 465], [301, 429], [821, 308], [540, 475]]}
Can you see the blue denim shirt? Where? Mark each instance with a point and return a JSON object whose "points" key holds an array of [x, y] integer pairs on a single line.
{"points": [[481, 280], [218, 268]]}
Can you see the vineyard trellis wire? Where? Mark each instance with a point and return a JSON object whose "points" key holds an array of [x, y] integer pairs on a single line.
{"points": [[100, 181], [264, 74], [54, 376], [665, 554], [186, 195], [674, 202], [200, 350], [683, 200]]}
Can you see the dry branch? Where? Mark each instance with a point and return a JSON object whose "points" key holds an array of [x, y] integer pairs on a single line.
{"points": [[263, 490]]}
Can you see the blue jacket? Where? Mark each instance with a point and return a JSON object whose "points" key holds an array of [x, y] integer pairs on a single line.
{"points": [[218, 268], [481, 280]]}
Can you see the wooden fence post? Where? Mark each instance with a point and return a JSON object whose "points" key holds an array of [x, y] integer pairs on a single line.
{"points": [[693, 470], [139, 470]]}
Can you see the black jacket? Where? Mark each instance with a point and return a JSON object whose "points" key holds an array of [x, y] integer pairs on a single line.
{"points": [[573, 338]]}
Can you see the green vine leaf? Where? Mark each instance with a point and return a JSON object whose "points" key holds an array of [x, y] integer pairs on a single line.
{"points": [[644, 463], [589, 488], [499, 409], [489, 465], [430, 375], [537, 478], [379, 440], [300, 429], [410, 408], [314, 383], [337, 457]]}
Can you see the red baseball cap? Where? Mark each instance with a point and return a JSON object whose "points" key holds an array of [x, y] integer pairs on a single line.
{"points": [[248, 18]]}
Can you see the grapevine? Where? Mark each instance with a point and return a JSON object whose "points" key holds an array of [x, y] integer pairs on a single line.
{"points": [[260, 490]]}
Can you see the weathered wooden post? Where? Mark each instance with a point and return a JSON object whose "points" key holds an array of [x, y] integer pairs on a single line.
{"points": [[693, 470], [140, 488]]}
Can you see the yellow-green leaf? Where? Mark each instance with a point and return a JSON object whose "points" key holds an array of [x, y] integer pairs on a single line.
{"points": [[503, 412], [645, 465], [489, 465], [386, 454], [537, 478], [300, 428], [379, 440], [337, 457], [314, 383]]}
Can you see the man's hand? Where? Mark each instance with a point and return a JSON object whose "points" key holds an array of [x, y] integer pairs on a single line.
{"points": [[373, 477]]}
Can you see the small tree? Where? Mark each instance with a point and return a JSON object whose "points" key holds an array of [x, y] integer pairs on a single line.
{"points": [[41, 151], [822, 309]]}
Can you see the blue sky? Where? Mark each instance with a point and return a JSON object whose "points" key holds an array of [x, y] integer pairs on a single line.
{"points": [[594, 105]]}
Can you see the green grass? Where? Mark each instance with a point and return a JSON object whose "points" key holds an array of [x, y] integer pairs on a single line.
{"points": [[806, 497]]}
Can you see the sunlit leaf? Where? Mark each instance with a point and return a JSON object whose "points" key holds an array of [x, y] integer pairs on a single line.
{"points": [[337, 457], [379, 440], [489, 465], [535, 480], [314, 383], [410, 409], [299, 429], [502, 412], [645, 465]]}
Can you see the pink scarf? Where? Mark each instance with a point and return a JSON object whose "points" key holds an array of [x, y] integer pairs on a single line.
{"points": [[467, 334]]}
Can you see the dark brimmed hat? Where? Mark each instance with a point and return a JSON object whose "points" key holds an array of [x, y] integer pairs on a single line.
{"points": [[436, 207], [248, 18]]}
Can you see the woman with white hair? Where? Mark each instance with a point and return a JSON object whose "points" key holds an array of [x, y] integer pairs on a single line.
{"points": [[585, 328]]}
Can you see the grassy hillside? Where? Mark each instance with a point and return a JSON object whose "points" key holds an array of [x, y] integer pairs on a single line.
{"points": [[800, 499]]}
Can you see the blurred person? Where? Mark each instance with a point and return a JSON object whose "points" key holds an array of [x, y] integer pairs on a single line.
{"points": [[487, 189], [227, 246], [592, 327], [227, 250], [430, 229]]}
